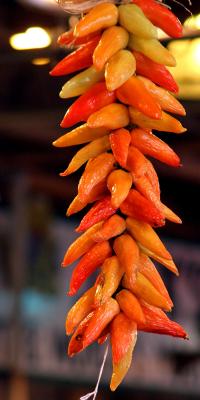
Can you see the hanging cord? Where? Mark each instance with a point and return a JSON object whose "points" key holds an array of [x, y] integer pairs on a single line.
{"points": [[177, 2], [94, 394]]}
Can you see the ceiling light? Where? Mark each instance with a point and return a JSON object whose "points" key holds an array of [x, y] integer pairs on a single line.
{"points": [[33, 38]]}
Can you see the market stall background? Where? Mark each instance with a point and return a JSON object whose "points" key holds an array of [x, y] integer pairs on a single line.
{"points": [[34, 232]]}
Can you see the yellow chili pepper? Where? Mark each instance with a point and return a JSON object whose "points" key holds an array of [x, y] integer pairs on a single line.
{"points": [[145, 234], [119, 183], [144, 289], [100, 17], [133, 19], [163, 97], [167, 263], [91, 150], [113, 116], [112, 40], [81, 82], [167, 123], [152, 49], [119, 68], [82, 134]]}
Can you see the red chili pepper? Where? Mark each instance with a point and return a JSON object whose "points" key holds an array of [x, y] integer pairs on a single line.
{"points": [[100, 211], [91, 101], [87, 265], [161, 16], [68, 39], [120, 140], [79, 59], [156, 321], [157, 73], [138, 207]]}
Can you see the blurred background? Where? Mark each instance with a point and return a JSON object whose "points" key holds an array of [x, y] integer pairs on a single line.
{"points": [[34, 232]]}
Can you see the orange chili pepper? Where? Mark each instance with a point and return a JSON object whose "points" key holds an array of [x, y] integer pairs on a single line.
{"points": [[119, 183], [166, 124], [79, 135], [144, 176], [146, 235], [171, 216], [163, 97], [148, 269], [113, 116], [127, 252], [123, 340], [134, 93], [130, 305], [95, 172], [99, 191], [112, 40], [137, 206], [81, 245], [108, 280], [164, 261], [119, 68], [151, 145], [144, 289], [103, 315], [113, 226], [80, 310], [100, 17], [101, 210], [156, 321], [91, 150], [120, 140], [88, 264], [76, 342]]}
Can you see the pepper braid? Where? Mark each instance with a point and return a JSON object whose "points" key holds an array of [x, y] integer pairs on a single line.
{"points": [[124, 91]]}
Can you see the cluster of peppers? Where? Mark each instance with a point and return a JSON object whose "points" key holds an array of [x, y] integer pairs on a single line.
{"points": [[125, 91]]}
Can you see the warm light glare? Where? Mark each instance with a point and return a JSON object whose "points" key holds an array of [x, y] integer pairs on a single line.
{"points": [[193, 22], [40, 61], [32, 38], [187, 71]]}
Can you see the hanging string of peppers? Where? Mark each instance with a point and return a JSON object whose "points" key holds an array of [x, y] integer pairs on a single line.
{"points": [[124, 92]]}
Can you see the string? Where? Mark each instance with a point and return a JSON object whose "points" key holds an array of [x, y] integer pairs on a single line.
{"points": [[94, 393]]}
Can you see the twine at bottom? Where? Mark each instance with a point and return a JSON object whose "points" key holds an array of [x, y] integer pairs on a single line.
{"points": [[94, 394]]}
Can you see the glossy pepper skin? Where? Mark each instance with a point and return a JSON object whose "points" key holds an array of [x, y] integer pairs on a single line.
{"points": [[68, 39], [102, 16], [91, 150], [97, 169], [113, 116], [167, 123], [154, 71], [130, 305], [133, 19], [123, 340], [152, 49], [88, 264], [80, 83], [100, 210], [164, 261], [161, 16], [134, 93], [91, 101], [80, 310], [127, 252], [77, 60], [119, 68], [120, 140], [81, 134], [113, 226], [158, 322], [137, 206], [119, 184], [151, 145], [112, 40]]}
